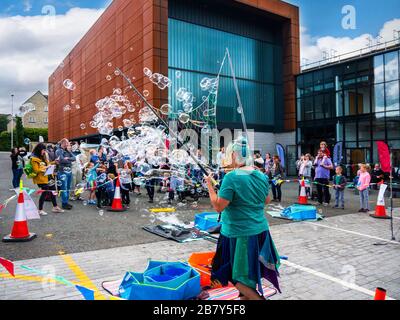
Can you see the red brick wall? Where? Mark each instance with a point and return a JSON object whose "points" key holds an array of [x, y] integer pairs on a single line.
{"points": [[131, 34]]}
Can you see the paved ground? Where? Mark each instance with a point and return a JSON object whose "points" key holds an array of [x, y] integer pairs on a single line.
{"points": [[345, 256]]}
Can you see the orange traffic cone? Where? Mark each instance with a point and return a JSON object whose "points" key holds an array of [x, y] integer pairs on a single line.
{"points": [[117, 202], [303, 195], [380, 294], [380, 210], [20, 232]]}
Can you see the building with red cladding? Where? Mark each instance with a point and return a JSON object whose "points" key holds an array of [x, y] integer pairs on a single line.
{"points": [[187, 36]]}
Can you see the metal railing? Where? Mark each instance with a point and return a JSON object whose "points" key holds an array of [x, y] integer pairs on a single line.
{"points": [[329, 59]]}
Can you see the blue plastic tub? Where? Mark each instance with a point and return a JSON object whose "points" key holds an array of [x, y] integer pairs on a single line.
{"points": [[300, 212], [206, 220]]}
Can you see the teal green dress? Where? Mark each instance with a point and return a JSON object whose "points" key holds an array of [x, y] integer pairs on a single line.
{"points": [[245, 250]]}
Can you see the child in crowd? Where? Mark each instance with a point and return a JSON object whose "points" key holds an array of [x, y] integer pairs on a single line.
{"points": [[91, 177], [276, 174], [126, 183], [363, 187], [339, 184], [110, 188]]}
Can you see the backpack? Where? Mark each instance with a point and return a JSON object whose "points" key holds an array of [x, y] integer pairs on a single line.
{"points": [[28, 169]]}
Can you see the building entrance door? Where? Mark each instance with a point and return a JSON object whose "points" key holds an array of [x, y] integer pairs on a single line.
{"points": [[354, 156]]}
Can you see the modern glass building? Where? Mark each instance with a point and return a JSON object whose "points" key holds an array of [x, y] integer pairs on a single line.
{"points": [[198, 35], [191, 37], [354, 101]]}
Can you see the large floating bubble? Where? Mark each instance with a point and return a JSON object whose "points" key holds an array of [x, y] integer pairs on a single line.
{"points": [[184, 118], [69, 84], [165, 109]]}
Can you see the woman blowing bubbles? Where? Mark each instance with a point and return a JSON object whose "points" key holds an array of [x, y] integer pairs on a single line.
{"points": [[245, 250]]}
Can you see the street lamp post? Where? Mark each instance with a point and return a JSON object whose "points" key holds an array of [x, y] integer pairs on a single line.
{"points": [[12, 121]]}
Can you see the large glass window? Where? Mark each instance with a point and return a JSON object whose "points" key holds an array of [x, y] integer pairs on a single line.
{"points": [[350, 131], [319, 106], [329, 105], [339, 131], [308, 108], [300, 109], [392, 125], [308, 83], [392, 95], [378, 126], [391, 66], [378, 69], [378, 104], [364, 129], [353, 102]]}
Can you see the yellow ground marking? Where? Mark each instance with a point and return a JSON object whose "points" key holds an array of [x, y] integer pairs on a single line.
{"points": [[82, 277], [30, 278], [41, 279], [157, 210]]}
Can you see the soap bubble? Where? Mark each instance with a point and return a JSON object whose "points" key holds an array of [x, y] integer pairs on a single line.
{"points": [[77, 107], [83, 126], [239, 110], [72, 101], [146, 93], [66, 170], [27, 141], [109, 64], [85, 203], [178, 74], [165, 109], [117, 72], [127, 123], [147, 115], [144, 167], [26, 108], [101, 213], [108, 77], [184, 118], [120, 128], [69, 84], [147, 72]]}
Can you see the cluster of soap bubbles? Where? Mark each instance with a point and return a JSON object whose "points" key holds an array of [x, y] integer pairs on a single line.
{"points": [[26, 108], [158, 79], [209, 84], [186, 97], [114, 107]]}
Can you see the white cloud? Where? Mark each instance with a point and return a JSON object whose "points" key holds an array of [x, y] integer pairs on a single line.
{"points": [[312, 48], [31, 47]]}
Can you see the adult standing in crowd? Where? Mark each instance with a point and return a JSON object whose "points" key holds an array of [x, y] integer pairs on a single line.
{"points": [[377, 176], [268, 163], [304, 167], [245, 251], [323, 166], [40, 163], [76, 168], [65, 159], [17, 165], [276, 174], [51, 152]]}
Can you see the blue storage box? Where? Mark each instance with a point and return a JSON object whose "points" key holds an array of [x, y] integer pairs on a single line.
{"points": [[206, 220], [300, 212], [161, 281]]}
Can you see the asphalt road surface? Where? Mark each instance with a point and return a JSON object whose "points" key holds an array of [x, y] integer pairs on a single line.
{"points": [[85, 228]]}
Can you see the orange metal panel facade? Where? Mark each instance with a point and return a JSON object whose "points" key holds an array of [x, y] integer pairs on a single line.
{"points": [[133, 34]]}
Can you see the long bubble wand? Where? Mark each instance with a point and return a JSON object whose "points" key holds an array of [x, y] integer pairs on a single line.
{"points": [[171, 132]]}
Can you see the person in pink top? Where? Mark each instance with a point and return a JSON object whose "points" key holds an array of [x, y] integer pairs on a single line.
{"points": [[363, 188]]}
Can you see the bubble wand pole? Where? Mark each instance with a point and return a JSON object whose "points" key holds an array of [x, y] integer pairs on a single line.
{"points": [[171, 132]]}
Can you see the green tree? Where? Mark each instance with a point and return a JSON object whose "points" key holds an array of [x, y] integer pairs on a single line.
{"points": [[3, 123], [19, 132]]}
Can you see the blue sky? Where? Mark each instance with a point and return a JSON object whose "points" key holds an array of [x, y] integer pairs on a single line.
{"points": [[324, 17], [320, 17]]}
